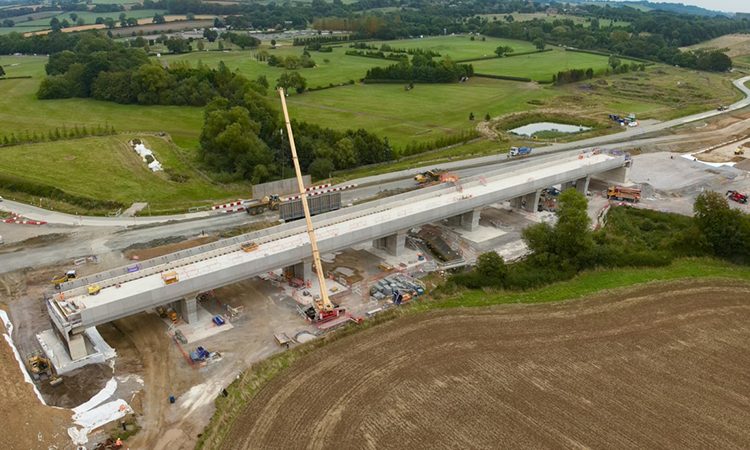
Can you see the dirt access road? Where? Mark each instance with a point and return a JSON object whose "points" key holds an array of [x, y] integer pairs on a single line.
{"points": [[653, 367]]}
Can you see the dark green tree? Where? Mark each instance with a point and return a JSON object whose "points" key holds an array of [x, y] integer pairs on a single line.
{"points": [[503, 50], [726, 230], [569, 244], [321, 168], [292, 80]]}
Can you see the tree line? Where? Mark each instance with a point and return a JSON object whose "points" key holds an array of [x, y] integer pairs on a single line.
{"points": [[423, 69], [27, 137], [651, 46], [631, 238]]}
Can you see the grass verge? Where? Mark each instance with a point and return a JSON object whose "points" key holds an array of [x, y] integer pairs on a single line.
{"points": [[252, 381]]}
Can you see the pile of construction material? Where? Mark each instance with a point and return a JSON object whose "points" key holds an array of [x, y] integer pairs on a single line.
{"points": [[397, 288], [146, 154]]}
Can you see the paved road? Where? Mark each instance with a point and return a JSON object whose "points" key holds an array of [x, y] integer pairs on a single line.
{"points": [[370, 186]]}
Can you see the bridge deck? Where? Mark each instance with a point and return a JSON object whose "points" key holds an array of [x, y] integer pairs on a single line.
{"points": [[228, 264]]}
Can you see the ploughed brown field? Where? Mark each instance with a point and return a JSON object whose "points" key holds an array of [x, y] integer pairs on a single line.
{"points": [[661, 366]]}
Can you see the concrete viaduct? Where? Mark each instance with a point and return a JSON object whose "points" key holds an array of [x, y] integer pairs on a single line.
{"points": [[131, 289]]}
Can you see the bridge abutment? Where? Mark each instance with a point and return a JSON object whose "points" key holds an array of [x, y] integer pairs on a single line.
{"points": [[620, 175]]}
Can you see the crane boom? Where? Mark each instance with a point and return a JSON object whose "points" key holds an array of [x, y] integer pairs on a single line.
{"points": [[326, 304]]}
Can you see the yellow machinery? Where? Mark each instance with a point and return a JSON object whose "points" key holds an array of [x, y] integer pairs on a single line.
{"points": [[248, 246], [739, 151], [67, 276], [270, 202], [94, 289], [40, 368], [170, 277], [430, 176], [323, 308]]}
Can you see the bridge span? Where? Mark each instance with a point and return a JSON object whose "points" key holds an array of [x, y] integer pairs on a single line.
{"points": [[131, 289]]}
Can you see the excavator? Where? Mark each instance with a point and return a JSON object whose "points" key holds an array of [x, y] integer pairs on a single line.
{"points": [[431, 176], [322, 309], [40, 368]]}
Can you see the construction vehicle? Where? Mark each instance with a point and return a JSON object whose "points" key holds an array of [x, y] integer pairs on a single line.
{"points": [[94, 289], [519, 151], [40, 368], [255, 207], [248, 246], [431, 176], [161, 311], [67, 276], [739, 151], [722, 108], [623, 193], [199, 354], [737, 197], [322, 309], [170, 277]]}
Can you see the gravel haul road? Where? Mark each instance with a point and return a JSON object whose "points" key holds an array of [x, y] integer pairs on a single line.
{"points": [[652, 367]]}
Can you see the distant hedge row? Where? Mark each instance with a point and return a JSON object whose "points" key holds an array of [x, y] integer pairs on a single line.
{"points": [[502, 77], [507, 55], [15, 184]]}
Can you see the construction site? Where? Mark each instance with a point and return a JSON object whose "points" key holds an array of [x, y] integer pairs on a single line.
{"points": [[127, 334]]}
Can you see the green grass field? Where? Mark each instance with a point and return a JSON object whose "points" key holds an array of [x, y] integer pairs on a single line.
{"points": [[459, 47], [20, 110], [427, 112], [340, 68], [541, 66], [578, 20], [424, 113], [90, 18], [107, 168]]}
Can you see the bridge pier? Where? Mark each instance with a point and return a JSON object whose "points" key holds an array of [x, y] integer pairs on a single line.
{"points": [[582, 184], [394, 244], [189, 309], [302, 270], [77, 346], [469, 221], [528, 202]]}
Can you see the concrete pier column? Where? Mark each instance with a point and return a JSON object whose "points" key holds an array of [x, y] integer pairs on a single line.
{"points": [[395, 243], [455, 221], [301, 270], [189, 309], [567, 185], [470, 220], [77, 346], [582, 184], [528, 202]]}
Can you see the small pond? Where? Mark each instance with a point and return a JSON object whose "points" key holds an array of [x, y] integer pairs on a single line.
{"points": [[533, 128]]}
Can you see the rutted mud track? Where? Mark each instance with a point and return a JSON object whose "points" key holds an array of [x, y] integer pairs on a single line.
{"points": [[655, 367]]}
